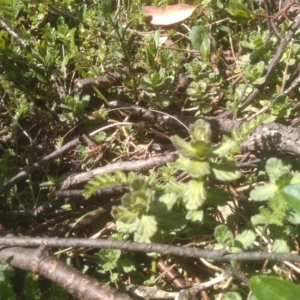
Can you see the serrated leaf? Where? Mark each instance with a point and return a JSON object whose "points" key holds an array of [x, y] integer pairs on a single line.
{"points": [[225, 172], [246, 238], [280, 245], [224, 148], [146, 229], [126, 264], [195, 194], [97, 183], [284, 180], [120, 177], [291, 194], [138, 184], [263, 193], [184, 147], [268, 287], [238, 10], [110, 254], [259, 80], [275, 169], [6, 272], [201, 131], [223, 235], [177, 188], [126, 221], [195, 215], [294, 217], [197, 168], [200, 40], [259, 219], [295, 179], [202, 148], [169, 199]]}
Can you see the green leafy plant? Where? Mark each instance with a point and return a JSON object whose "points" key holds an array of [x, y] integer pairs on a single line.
{"points": [[6, 288], [278, 209], [75, 105], [200, 160], [31, 290], [268, 287], [240, 243], [105, 180], [154, 83], [144, 212], [209, 63], [201, 41]]}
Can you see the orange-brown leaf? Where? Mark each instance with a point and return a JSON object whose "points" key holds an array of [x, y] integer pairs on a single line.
{"points": [[170, 14]]}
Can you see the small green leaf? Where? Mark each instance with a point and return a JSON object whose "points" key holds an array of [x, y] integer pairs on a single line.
{"points": [[268, 287], [280, 245], [295, 179], [259, 80], [225, 172], [224, 148], [177, 188], [259, 219], [294, 217], [195, 194], [291, 194], [184, 147], [195, 215], [6, 272], [201, 131], [169, 199], [197, 169], [202, 149], [275, 168], [223, 235], [146, 229], [263, 193], [200, 40], [238, 10], [108, 258], [246, 238], [126, 221]]}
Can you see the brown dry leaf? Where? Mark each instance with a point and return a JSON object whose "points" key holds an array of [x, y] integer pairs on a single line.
{"points": [[170, 14]]}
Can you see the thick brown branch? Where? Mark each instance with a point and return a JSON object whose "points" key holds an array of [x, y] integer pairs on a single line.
{"points": [[78, 284]]}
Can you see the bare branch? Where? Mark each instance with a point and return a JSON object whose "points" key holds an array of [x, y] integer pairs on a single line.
{"points": [[80, 285], [34, 167], [18, 39], [217, 255], [134, 165]]}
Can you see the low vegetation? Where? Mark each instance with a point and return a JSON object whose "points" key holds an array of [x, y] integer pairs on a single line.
{"points": [[174, 125]]}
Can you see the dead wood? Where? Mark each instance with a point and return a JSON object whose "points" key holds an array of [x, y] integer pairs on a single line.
{"points": [[37, 165], [77, 284], [135, 165], [266, 139], [104, 81], [216, 255]]}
